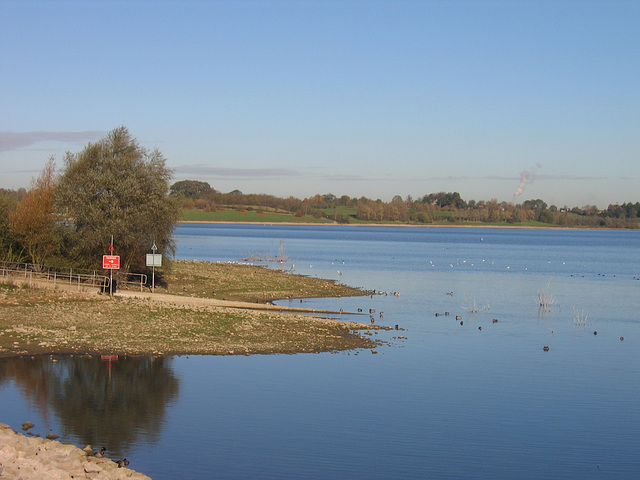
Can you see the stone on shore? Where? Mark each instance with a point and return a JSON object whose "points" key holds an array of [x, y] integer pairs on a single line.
{"points": [[36, 458]]}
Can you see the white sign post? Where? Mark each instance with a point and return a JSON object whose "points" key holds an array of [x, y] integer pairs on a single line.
{"points": [[154, 260]]}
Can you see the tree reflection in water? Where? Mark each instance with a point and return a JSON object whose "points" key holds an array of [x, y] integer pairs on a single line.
{"points": [[99, 402]]}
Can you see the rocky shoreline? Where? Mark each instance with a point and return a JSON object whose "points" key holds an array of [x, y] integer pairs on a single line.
{"points": [[36, 458]]}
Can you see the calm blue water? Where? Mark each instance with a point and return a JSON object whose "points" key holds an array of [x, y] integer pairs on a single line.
{"points": [[447, 401]]}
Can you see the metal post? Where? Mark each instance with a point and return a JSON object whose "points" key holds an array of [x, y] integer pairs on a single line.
{"points": [[111, 271], [153, 268]]}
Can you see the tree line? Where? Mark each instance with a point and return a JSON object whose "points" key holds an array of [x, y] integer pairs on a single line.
{"points": [[117, 188], [430, 208]]}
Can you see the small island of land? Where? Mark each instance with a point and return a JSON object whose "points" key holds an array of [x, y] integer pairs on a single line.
{"points": [[206, 308]]}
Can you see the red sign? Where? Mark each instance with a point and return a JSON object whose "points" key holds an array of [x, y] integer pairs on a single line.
{"points": [[111, 249], [111, 261]]}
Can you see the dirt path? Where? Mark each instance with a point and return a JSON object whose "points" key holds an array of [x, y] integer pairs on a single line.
{"points": [[213, 302], [181, 300]]}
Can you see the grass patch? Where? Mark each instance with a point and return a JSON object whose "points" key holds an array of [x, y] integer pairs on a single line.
{"points": [[248, 283], [247, 216]]}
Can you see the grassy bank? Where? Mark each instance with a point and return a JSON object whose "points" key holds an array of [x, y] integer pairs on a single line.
{"points": [[247, 283], [39, 320]]}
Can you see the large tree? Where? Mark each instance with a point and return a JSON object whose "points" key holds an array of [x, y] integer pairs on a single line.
{"points": [[115, 187]]}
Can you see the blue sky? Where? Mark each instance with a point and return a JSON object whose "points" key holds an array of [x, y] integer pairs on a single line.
{"points": [[363, 98]]}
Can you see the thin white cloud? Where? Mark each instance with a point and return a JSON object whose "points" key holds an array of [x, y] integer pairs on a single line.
{"points": [[16, 140], [516, 178], [237, 173], [346, 178]]}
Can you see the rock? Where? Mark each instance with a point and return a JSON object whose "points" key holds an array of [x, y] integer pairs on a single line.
{"points": [[91, 468], [27, 425], [52, 436]]}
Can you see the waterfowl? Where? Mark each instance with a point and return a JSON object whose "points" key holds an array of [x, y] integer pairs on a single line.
{"points": [[545, 348], [100, 453], [123, 462]]}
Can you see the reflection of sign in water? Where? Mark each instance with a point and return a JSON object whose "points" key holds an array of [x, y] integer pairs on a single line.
{"points": [[154, 259], [109, 359]]}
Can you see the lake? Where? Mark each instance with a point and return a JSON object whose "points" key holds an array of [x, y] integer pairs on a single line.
{"points": [[474, 397]]}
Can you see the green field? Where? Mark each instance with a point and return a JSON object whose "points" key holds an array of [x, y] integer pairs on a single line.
{"points": [[247, 216]]}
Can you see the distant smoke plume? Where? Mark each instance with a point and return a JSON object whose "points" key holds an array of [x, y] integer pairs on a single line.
{"points": [[526, 177]]}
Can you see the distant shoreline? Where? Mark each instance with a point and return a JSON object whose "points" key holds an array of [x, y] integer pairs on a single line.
{"points": [[407, 225]]}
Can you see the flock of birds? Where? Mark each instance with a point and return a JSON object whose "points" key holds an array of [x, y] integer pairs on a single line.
{"points": [[437, 314]]}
